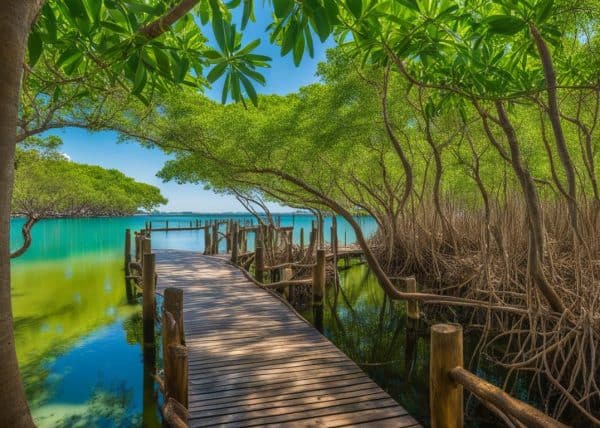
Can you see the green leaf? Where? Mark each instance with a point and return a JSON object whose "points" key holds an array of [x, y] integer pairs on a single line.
{"points": [[226, 88], [139, 7], [321, 24], [162, 60], [219, 31], [50, 22], [355, 7], [544, 10], [34, 47], [236, 90], [249, 47], [68, 57], [249, 89], [309, 42], [141, 76], [411, 4], [247, 12], [505, 24], [298, 49], [216, 72], [254, 75], [282, 7], [289, 38]]}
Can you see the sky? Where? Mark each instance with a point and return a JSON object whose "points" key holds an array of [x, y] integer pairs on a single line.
{"points": [[101, 148]]}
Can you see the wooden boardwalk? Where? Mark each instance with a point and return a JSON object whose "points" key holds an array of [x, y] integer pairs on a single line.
{"points": [[254, 362]]}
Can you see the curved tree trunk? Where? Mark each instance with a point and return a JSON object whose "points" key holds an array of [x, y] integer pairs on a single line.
{"points": [[554, 115], [15, 19], [26, 232], [534, 214]]}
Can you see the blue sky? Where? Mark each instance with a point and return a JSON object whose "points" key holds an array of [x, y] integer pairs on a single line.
{"points": [[101, 148]]}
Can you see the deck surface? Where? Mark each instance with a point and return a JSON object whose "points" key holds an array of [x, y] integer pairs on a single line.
{"points": [[254, 362]]}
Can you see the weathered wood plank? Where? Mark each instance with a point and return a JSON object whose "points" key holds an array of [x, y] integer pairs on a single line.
{"points": [[254, 362]]}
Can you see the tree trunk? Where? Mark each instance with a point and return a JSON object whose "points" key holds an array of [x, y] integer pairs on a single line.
{"points": [[534, 214], [554, 114], [15, 22], [26, 232]]}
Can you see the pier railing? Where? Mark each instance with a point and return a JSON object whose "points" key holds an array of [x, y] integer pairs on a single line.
{"points": [[173, 379], [447, 378]]}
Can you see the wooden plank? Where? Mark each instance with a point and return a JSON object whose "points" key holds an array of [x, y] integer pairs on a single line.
{"points": [[254, 362]]}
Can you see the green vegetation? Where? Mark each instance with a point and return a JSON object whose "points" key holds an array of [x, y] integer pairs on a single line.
{"points": [[468, 129], [48, 185]]}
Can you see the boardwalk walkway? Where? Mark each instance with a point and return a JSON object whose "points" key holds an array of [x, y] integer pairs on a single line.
{"points": [[254, 362]]}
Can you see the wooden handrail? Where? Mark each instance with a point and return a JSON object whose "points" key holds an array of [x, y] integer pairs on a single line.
{"points": [[291, 265], [288, 283], [447, 378], [523, 412]]}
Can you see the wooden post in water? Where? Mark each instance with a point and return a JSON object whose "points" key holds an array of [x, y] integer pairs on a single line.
{"points": [[148, 298], [234, 243], [146, 248], [302, 239], [228, 236], [412, 306], [445, 396], [178, 378], [167, 225], [207, 244], [138, 246], [175, 353], [215, 238], [127, 251]]}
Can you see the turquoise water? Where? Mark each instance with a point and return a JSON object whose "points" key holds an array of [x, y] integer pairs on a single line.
{"points": [[78, 341]]}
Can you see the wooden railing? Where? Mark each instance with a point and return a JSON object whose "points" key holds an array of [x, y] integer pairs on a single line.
{"points": [[173, 380], [447, 378]]}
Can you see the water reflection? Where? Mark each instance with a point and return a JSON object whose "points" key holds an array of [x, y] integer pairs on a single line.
{"points": [[391, 348]]}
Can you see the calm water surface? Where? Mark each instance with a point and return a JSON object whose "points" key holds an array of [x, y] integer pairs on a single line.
{"points": [[78, 341]]}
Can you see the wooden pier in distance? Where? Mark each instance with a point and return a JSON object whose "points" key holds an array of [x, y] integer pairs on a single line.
{"points": [[254, 362]]}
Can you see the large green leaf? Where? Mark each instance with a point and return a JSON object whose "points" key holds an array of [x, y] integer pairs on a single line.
{"points": [[505, 24]]}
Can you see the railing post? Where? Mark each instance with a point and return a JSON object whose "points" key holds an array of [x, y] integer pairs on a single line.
{"points": [[412, 306], [148, 282], [290, 246], [215, 238], [177, 382], [234, 243], [127, 251], [302, 239], [445, 396], [318, 279], [228, 236], [138, 246], [207, 244], [259, 262], [145, 246]]}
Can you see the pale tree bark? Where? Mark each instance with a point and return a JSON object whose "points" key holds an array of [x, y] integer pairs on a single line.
{"points": [[15, 22]]}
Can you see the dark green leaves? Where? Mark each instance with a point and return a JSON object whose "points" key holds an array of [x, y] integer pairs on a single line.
{"points": [[505, 24], [355, 6], [34, 47], [543, 11], [282, 8], [238, 64]]}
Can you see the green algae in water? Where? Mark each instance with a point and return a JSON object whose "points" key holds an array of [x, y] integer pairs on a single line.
{"points": [[78, 341]]}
